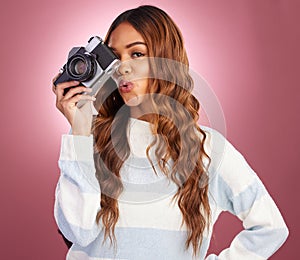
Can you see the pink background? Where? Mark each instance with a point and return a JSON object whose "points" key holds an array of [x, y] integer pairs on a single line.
{"points": [[248, 51]]}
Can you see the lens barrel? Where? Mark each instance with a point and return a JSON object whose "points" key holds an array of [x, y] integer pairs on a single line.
{"points": [[81, 66]]}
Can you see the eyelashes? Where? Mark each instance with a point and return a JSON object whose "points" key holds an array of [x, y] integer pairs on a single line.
{"points": [[133, 55], [137, 54]]}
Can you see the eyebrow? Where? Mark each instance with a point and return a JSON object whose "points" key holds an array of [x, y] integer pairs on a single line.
{"points": [[134, 43], [131, 45]]}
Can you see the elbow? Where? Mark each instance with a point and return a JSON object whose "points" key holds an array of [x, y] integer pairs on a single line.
{"points": [[280, 237], [285, 234], [84, 237], [78, 236], [84, 242], [75, 233]]}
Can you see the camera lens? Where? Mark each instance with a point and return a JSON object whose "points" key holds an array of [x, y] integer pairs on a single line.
{"points": [[81, 67]]}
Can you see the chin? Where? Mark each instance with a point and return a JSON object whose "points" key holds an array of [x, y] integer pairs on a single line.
{"points": [[133, 102]]}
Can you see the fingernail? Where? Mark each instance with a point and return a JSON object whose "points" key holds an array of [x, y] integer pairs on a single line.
{"points": [[88, 89], [93, 98]]}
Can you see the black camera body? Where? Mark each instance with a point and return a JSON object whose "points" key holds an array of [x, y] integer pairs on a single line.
{"points": [[92, 65]]}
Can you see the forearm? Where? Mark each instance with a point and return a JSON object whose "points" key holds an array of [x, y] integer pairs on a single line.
{"points": [[77, 198], [264, 228], [238, 190]]}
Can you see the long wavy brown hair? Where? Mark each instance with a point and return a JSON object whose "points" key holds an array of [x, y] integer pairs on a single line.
{"points": [[174, 123]]}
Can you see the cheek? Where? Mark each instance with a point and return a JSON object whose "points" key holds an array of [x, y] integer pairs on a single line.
{"points": [[142, 86], [141, 69]]}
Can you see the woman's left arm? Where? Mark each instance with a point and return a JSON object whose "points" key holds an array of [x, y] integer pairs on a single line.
{"points": [[240, 191]]}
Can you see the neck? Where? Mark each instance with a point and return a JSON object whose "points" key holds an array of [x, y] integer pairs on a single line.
{"points": [[139, 112]]}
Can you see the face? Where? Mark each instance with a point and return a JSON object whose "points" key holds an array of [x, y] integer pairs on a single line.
{"points": [[131, 49]]}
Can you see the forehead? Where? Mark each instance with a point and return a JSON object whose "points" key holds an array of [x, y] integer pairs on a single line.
{"points": [[123, 35]]}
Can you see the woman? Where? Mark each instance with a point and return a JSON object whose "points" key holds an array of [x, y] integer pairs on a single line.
{"points": [[141, 180]]}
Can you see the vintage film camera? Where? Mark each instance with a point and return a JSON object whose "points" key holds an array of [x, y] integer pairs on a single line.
{"points": [[92, 65]]}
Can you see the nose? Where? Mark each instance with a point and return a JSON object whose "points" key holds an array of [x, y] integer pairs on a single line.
{"points": [[125, 68]]}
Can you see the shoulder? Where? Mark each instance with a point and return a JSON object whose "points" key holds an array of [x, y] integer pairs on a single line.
{"points": [[217, 144], [229, 169], [226, 160], [214, 144]]}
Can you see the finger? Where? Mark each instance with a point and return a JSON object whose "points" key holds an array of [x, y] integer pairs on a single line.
{"points": [[53, 80], [76, 90], [75, 99], [61, 86]]}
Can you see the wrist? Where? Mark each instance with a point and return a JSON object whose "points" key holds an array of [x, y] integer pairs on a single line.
{"points": [[82, 132]]}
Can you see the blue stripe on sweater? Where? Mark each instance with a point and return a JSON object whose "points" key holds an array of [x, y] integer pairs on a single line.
{"points": [[238, 203], [147, 243], [143, 243], [254, 238], [73, 233]]}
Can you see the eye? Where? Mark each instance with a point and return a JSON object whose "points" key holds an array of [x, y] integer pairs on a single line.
{"points": [[137, 54]]}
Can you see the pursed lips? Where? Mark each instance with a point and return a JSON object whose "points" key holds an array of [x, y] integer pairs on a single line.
{"points": [[125, 86]]}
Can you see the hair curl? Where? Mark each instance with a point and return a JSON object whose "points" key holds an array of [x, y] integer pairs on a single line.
{"points": [[174, 125]]}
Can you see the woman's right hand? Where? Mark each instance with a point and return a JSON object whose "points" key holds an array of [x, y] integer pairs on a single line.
{"points": [[80, 119]]}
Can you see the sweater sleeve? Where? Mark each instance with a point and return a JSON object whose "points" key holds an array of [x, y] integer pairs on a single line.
{"points": [[238, 190], [77, 196]]}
